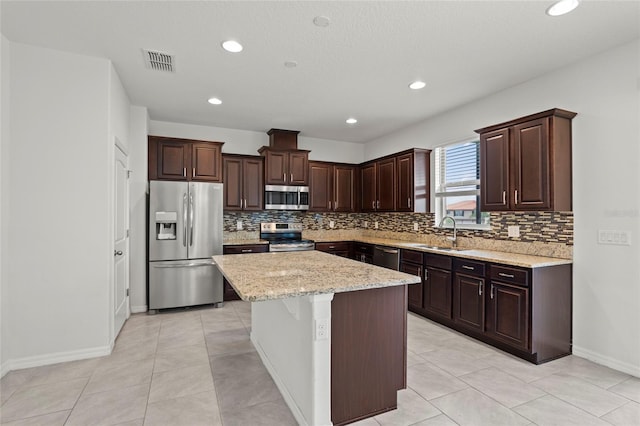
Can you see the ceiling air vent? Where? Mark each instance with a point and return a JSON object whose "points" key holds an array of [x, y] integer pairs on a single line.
{"points": [[159, 61]]}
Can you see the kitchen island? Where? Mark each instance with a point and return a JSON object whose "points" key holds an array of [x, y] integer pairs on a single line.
{"points": [[331, 331]]}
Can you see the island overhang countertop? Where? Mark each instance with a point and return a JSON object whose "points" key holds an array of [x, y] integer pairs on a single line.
{"points": [[267, 276]]}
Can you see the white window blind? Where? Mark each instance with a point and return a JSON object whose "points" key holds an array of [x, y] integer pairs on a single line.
{"points": [[458, 184]]}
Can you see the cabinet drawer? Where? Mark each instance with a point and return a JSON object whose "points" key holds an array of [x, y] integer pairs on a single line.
{"points": [[335, 246], [510, 275], [246, 248], [411, 256], [469, 267], [436, 261], [363, 248]]}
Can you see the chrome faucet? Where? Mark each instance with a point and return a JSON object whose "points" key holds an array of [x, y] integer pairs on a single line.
{"points": [[454, 240]]}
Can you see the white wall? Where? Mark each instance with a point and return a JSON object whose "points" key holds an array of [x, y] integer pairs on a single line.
{"points": [[138, 124], [248, 142], [59, 206], [604, 91], [5, 342]]}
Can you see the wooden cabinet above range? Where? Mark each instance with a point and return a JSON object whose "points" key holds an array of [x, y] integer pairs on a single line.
{"points": [[184, 159], [525, 164], [284, 163]]}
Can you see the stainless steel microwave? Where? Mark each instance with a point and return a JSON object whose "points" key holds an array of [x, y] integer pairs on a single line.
{"points": [[282, 197]]}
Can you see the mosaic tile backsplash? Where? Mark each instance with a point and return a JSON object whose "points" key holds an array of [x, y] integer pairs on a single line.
{"points": [[544, 233]]}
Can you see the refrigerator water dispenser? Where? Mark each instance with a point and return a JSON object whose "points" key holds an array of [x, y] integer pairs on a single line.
{"points": [[166, 225]]}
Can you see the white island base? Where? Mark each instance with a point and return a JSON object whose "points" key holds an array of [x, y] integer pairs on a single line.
{"points": [[293, 338]]}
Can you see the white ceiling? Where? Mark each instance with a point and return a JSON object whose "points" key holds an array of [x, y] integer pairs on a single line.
{"points": [[360, 65]]}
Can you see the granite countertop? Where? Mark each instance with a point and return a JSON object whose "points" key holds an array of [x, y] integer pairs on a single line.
{"points": [[513, 259], [266, 276], [243, 242]]}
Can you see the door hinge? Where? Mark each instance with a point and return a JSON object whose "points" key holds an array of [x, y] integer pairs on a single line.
{"points": [[129, 173], [127, 292], [127, 233]]}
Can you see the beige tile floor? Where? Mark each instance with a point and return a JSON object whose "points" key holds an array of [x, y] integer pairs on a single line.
{"points": [[198, 367]]}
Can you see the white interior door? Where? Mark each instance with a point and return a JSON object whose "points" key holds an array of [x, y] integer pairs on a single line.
{"points": [[121, 241]]}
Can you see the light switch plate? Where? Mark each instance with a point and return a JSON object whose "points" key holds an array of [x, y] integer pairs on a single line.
{"points": [[618, 238], [416, 226], [332, 224], [514, 231], [366, 224], [375, 225], [239, 225]]}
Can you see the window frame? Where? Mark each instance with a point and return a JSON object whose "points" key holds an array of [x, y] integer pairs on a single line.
{"points": [[441, 196]]}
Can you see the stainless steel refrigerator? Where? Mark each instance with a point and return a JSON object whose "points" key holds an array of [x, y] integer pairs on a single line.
{"points": [[185, 230]]}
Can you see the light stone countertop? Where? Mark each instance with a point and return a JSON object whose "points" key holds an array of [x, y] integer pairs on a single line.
{"points": [[513, 259], [243, 242], [266, 276]]}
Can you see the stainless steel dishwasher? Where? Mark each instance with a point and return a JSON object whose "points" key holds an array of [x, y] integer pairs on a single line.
{"points": [[386, 257]]}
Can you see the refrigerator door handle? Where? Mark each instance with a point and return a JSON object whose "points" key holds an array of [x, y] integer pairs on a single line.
{"points": [[184, 219], [190, 219]]}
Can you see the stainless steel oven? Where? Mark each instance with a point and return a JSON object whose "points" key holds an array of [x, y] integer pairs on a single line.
{"points": [[285, 237], [281, 197]]}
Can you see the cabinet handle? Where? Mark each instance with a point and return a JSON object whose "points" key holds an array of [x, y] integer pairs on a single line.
{"points": [[516, 195], [506, 275], [284, 177], [491, 293], [409, 202], [378, 204], [247, 251], [291, 180], [329, 205], [184, 172], [335, 205], [419, 272], [480, 289], [194, 172], [373, 204], [504, 197], [332, 247], [471, 268], [426, 274]]}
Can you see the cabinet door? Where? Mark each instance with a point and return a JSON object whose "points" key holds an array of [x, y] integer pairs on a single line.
{"points": [[509, 314], [206, 162], [320, 193], [386, 181], [437, 292], [368, 187], [173, 160], [299, 168], [468, 301], [405, 201], [276, 163], [232, 171], [252, 184], [494, 171], [344, 188], [414, 290], [530, 165]]}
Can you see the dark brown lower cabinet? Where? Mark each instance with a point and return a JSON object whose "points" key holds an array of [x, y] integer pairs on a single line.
{"points": [[338, 248], [229, 293], [468, 301], [437, 285], [368, 352], [363, 252], [508, 314], [411, 263]]}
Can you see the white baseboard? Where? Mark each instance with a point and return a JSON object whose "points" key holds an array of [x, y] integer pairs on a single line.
{"points": [[4, 369], [39, 360], [624, 367], [138, 309]]}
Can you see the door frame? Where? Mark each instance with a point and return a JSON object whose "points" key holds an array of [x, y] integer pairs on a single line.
{"points": [[119, 150]]}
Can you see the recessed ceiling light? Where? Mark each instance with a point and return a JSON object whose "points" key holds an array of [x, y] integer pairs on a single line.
{"points": [[321, 21], [290, 64], [561, 7], [232, 46], [417, 85], [214, 101], [351, 121]]}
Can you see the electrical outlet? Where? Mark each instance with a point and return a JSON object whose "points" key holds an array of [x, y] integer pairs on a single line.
{"points": [[366, 224], [332, 224], [416, 226], [619, 238], [322, 329], [513, 231], [239, 225], [375, 225]]}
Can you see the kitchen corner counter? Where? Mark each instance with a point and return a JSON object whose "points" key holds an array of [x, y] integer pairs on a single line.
{"points": [[506, 258], [243, 242], [267, 276]]}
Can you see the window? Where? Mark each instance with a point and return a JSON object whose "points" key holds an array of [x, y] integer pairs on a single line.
{"points": [[458, 185]]}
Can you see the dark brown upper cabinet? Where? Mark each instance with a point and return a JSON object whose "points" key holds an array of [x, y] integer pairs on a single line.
{"points": [[286, 167], [525, 164], [243, 182], [399, 182], [331, 187], [184, 159]]}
